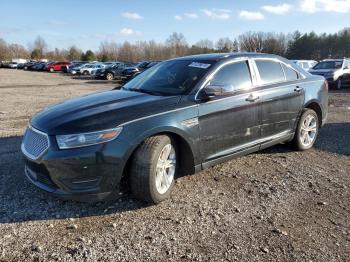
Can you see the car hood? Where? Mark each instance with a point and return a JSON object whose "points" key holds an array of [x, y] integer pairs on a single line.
{"points": [[100, 111]]}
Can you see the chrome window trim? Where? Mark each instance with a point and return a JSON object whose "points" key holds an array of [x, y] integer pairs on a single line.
{"points": [[27, 154], [260, 82], [211, 75]]}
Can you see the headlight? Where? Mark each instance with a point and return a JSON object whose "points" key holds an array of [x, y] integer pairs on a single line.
{"points": [[87, 139]]}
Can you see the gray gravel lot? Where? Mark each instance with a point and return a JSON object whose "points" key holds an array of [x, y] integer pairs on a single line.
{"points": [[274, 205]]}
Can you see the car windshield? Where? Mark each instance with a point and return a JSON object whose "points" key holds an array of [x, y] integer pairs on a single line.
{"points": [[329, 65], [175, 77]]}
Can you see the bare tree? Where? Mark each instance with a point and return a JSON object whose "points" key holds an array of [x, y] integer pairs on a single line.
{"points": [[177, 44], [4, 51], [17, 51], [225, 44], [74, 53], [251, 41], [40, 45], [205, 44]]}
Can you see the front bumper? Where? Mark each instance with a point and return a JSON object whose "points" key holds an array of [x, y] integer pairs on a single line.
{"points": [[87, 174]]}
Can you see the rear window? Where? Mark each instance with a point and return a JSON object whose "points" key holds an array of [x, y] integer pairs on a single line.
{"points": [[270, 71], [291, 75]]}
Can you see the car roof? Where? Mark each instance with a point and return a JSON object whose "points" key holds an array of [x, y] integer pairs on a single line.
{"points": [[223, 56], [338, 60]]}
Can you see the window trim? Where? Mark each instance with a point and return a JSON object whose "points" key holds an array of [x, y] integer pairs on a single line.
{"points": [[249, 71], [260, 83], [236, 60], [285, 75]]}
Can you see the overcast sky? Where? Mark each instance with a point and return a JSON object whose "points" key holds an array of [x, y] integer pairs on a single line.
{"points": [[87, 23]]}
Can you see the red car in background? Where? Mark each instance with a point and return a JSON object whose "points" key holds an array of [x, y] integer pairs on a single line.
{"points": [[57, 66]]}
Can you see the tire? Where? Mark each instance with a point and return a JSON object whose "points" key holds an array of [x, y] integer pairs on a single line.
{"points": [[304, 139], [109, 76], [339, 84], [52, 70], [146, 182], [85, 73]]}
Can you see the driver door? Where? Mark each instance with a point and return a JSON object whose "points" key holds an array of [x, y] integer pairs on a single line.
{"points": [[230, 124]]}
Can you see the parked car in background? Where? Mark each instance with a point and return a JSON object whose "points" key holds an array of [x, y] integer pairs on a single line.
{"points": [[13, 65], [38, 66], [112, 72], [88, 68], [130, 72], [178, 117], [336, 71], [28, 65], [75, 66], [20, 66], [305, 64], [57, 66]]}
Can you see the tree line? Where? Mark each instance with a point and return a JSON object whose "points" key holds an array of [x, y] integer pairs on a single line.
{"points": [[292, 45]]}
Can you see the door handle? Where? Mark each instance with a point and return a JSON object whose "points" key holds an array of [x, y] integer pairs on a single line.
{"points": [[252, 98], [298, 89]]}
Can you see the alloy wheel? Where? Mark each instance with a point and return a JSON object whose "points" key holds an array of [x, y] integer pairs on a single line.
{"points": [[308, 130], [165, 170]]}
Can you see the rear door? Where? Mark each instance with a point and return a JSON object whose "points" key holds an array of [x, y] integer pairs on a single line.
{"points": [[282, 97], [230, 124]]}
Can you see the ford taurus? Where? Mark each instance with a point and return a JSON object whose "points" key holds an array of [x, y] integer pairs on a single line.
{"points": [[179, 117]]}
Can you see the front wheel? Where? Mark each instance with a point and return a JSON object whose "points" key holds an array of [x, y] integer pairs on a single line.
{"points": [[307, 130], [52, 70], [153, 169], [109, 76]]}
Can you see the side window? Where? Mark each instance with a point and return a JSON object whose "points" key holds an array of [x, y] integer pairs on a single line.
{"points": [[235, 74], [347, 64], [270, 71], [305, 65], [291, 74]]}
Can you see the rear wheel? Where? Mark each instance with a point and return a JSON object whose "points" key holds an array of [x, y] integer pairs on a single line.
{"points": [[153, 169], [109, 76], [307, 130]]}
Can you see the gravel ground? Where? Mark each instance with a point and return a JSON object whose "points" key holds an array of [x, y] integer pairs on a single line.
{"points": [[274, 205]]}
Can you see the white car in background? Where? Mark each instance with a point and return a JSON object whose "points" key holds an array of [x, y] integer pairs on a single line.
{"points": [[88, 68], [13, 65], [305, 64]]}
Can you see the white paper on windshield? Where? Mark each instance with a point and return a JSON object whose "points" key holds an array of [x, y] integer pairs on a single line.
{"points": [[199, 65]]}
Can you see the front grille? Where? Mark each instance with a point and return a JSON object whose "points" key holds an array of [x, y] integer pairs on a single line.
{"points": [[34, 143]]}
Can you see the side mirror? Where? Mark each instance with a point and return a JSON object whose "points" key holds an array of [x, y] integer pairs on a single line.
{"points": [[218, 90]]}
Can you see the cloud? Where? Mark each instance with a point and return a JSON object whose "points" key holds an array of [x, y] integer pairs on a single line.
{"points": [[223, 14], [277, 9], [129, 32], [178, 17], [132, 16], [337, 6], [251, 15], [191, 15]]}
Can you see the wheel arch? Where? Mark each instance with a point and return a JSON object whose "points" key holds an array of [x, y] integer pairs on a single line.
{"points": [[314, 105], [187, 151]]}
